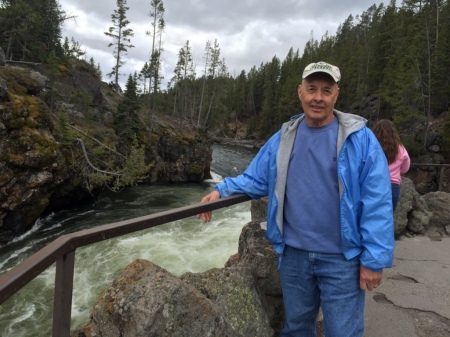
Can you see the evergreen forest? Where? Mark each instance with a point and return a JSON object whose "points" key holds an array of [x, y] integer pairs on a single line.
{"points": [[394, 59]]}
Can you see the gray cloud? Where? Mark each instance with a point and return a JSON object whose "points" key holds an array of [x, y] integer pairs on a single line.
{"points": [[249, 32]]}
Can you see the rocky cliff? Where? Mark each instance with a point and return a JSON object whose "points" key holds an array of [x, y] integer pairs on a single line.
{"points": [[59, 146]]}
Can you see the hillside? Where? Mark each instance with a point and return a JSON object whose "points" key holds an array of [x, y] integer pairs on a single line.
{"points": [[61, 143]]}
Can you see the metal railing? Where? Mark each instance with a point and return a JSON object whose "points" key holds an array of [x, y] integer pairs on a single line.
{"points": [[62, 251]]}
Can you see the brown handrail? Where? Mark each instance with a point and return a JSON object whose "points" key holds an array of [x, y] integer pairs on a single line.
{"points": [[62, 251]]}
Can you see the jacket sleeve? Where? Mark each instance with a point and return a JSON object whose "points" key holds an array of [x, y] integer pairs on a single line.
{"points": [[406, 161], [255, 180], [376, 223]]}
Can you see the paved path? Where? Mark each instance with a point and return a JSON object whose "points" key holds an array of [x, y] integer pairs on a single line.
{"points": [[413, 299]]}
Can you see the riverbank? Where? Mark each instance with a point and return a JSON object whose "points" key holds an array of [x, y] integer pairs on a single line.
{"points": [[248, 143]]}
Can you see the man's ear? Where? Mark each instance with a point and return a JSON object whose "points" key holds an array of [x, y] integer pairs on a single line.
{"points": [[299, 90], [337, 95]]}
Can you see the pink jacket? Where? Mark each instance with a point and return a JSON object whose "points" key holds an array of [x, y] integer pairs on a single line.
{"points": [[400, 165]]}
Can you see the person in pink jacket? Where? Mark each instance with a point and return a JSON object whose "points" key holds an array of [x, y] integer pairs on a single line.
{"points": [[396, 154]]}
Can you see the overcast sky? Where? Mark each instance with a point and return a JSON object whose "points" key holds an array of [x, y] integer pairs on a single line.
{"points": [[249, 32]]}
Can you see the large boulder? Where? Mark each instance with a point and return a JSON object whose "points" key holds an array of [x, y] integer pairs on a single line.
{"points": [[146, 300], [405, 204], [257, 253], [40, 82], [412, 212], [439, 204], [420, 216], [236, 301]]}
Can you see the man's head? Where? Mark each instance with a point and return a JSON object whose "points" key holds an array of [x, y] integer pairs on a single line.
{"points": [[318, 92]]}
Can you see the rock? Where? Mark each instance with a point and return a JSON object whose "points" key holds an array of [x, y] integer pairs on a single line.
{"points": [[419, 218], [434, 148], [146, 300], [257, 253], [259, 210], [235, 291], [412, 211], [70, 109], [439, 204], [404, 206], [37, 84]]}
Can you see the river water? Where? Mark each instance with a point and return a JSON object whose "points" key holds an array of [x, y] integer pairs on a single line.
{"points": [[180, 246]]}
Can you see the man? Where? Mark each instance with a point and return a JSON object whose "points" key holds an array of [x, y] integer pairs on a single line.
{"points": [[329, 212]]}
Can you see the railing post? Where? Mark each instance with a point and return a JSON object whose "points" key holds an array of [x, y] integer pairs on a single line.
{"points": [[62, 307], [441, 178]]}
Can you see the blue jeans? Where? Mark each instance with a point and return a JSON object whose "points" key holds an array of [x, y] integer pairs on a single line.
{"points": [[395, 195], [310, 280]]}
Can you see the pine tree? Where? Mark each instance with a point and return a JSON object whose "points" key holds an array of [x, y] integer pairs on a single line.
{"points": [[183, 82], [121, 35], [17, 21], [31, 30], [290, 76], [127, 122], [216, 68], [158, 25], [267, 124], [145, 72]]}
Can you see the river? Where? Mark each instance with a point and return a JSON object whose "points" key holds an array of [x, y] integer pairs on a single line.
{"points": [[180, 246]]}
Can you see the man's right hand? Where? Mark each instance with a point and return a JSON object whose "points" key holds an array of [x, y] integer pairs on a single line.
{"points": [[207, 216]]}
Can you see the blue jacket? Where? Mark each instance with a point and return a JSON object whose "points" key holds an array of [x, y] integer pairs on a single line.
{"points": [[367, 226]]}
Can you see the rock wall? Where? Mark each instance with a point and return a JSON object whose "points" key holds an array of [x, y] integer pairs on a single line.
{"points": [[43, 169]]}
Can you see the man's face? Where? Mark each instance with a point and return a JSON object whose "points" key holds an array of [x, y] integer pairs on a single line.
{"points": [[318, 94]]}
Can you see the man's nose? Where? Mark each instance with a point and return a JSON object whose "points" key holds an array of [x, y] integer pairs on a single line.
{"points": [[318, 95]]}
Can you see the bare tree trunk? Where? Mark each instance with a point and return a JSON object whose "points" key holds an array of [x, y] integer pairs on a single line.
{"points": [[8, 55], [428, 112], [209, 107], [116, 80], [201, 101]]}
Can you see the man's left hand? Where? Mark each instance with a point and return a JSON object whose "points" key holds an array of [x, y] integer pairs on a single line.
{"points": [[369, 279]]}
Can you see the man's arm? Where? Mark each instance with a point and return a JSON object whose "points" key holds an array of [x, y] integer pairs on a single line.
{"points": [[376, 223]]}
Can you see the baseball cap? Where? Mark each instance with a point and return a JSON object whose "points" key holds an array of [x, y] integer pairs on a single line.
{"points": [[322, 67]]}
